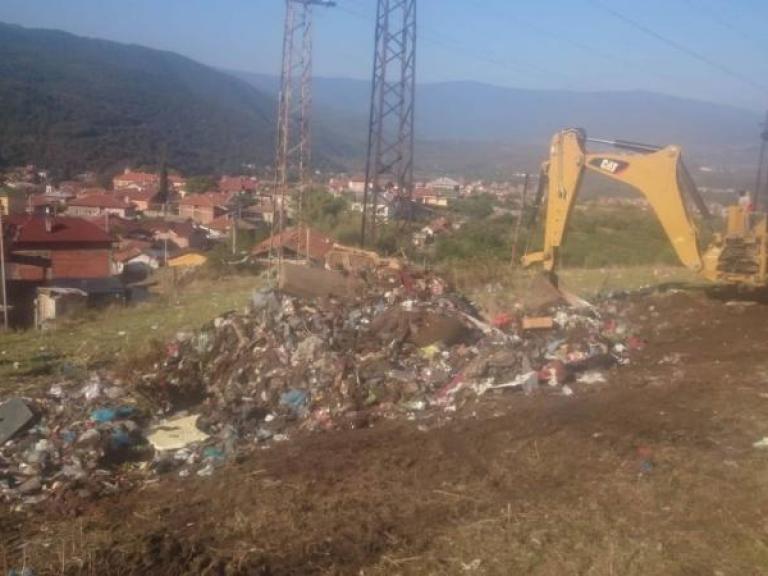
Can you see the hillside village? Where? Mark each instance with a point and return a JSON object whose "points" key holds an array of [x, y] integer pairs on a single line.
{"points": [[77, 239]]}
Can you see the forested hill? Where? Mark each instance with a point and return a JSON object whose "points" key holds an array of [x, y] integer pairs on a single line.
{"points": [[70, 103]]}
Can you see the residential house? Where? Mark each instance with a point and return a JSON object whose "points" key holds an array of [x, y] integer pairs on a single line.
{"points": [[383, 209], [99, 205], [221, 227], [134, 262], [91, 191], [52, 201], [68, 247], [54, 251], [41, 205], [177, 184], [141, 200], [175, 236], [13, 203], [238, 184], [135, 180], [357, 185], [71, 188], [131, 180], [259, 213], [428, 233], [204, 208], [446, 187], [298, 242], [429, 197], [337, 186]]}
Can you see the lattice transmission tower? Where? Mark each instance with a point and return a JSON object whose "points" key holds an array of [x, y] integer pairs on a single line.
{"points": [[294, 145], [761, 185], [389, 163]]}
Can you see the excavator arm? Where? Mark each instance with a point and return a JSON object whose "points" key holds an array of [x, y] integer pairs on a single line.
{"points": [[658, 174]]}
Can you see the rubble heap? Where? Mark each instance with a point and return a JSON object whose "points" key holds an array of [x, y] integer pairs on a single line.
{"points": [[403, 345]]}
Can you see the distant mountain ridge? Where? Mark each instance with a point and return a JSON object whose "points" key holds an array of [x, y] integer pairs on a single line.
{"points": [[475, 112], [70, 104]]}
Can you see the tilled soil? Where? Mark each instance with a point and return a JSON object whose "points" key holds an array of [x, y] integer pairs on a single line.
{"points": [[653, 472]]}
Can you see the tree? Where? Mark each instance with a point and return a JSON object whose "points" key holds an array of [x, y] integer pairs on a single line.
{"points": [[200, 184], [163, 194]]}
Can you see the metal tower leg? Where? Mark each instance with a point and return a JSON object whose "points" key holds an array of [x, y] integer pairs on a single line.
{"points": [[389, 162]]}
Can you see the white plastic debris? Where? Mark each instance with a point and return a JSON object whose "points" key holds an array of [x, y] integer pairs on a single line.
{"points": [[762, 443], [591, 377], [176, 433], [521, 380]]}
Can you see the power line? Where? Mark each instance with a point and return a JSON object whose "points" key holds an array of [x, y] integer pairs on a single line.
{"points": [[680, 47], [436, 38], [528, 25], [717, 17]]}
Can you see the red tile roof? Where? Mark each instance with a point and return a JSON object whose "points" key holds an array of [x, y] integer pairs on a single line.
{"points": [[185, 228], [36, 200], [221, 224], [127, 254], [207, 200], [198, 200], [295, 240], [133, 195], [93, 191], [141, 245], [32, 230], [237, 183], [99, 201], [137, 177]]}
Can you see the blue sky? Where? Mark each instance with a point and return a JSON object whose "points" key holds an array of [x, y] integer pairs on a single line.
{"points": [[557, 44]]}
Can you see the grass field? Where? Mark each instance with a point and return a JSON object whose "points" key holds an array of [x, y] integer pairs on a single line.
{"points": [[117, 333]]}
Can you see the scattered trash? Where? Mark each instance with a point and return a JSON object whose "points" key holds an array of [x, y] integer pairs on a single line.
{"points": [[21, 572], [591, 378], [296, 400], [645, 454], [471, 566], [330, 351], [175, 433], [538, 323], [103, 415], [529, 379], [762, 443]]}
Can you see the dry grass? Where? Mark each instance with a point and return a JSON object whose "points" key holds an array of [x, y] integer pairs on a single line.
{"points": [[102, 337], [495, 288]]}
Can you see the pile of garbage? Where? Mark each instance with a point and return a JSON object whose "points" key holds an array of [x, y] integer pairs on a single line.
{"points": [[403, 346]]}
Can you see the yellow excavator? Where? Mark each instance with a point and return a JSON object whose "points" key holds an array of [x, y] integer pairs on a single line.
{"points": [[736, 255]]}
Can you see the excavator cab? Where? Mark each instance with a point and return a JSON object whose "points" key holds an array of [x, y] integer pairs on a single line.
{"points": [[736, 256]]}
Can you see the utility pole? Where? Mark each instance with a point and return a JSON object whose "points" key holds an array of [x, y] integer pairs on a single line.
{"points": [[2, 269], [236, 216], [293, 150], [389, 161], [519, 223], [760, 199]]}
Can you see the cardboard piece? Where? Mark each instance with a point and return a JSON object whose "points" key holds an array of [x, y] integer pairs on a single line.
{"points": [[14, 417]]}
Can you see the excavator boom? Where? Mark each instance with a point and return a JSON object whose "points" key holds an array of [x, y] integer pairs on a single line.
{"points": [[657, 173]]}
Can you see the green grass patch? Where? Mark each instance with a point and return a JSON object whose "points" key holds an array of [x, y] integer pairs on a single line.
{"points": [[119, 333]]}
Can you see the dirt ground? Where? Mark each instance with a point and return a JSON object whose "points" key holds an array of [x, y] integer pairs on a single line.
{"points": [[653, 472]]}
